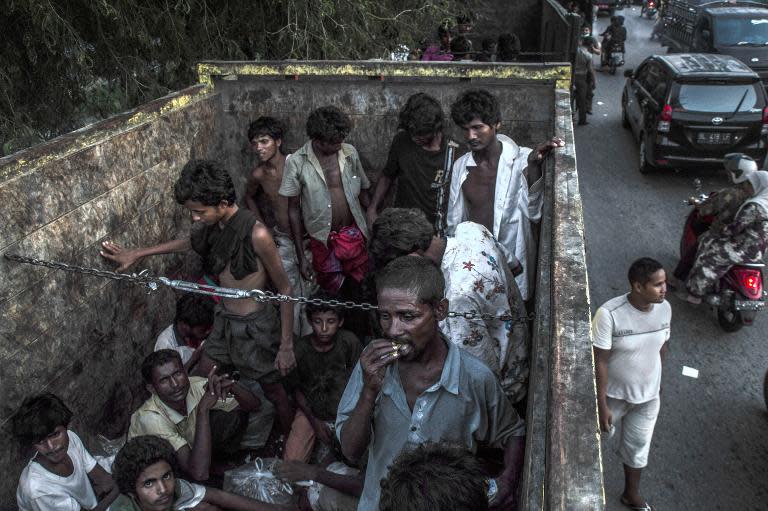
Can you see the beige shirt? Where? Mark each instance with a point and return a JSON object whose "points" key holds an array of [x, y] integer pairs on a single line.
{"points": [[304, 176], [156, 418]]}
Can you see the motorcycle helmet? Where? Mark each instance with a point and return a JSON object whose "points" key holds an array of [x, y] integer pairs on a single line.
{"points": [[739, 166]]}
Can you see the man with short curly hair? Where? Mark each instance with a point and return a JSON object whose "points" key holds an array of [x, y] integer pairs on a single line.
{"points": [[327, 190], [62, 475], [146, 473], [266, 136], [416, 155], [240, 251], [498, 184]]}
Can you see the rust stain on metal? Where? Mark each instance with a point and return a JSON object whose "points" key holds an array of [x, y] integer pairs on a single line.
{"points": [[559, 73]]}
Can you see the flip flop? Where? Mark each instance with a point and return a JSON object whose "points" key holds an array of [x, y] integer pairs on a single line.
{"points": [[645, 507]]}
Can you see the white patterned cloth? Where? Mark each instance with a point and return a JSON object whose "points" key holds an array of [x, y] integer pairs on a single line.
{"points": [[477, 279]]}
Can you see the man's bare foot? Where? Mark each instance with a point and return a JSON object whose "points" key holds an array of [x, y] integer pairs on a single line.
{"points": [[688, 297]]}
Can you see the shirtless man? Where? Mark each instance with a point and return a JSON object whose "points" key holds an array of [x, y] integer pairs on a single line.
{"points": [[497, 167], [239, 249], [327, 190], [262, 198]]}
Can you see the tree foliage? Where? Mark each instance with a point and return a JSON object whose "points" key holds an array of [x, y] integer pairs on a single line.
{"points": [[64, 63]]}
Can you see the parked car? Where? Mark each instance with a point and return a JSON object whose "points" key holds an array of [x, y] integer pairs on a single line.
{"points": [[690, 109]]}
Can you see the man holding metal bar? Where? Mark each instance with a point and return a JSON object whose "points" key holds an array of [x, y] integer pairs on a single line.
{"points": [[417, 160]]}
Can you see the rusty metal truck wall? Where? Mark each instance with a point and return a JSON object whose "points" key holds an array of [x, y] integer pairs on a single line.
{"points": [[78, 336], [84, 338]]}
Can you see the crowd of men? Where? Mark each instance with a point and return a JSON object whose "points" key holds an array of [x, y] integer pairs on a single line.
{"points": [[351, 402]]}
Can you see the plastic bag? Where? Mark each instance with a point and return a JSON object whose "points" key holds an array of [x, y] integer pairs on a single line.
{"points": [[257, 481]]}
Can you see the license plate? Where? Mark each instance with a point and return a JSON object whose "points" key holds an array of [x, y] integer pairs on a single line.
{"points": [[713, 138], [748, 305]]}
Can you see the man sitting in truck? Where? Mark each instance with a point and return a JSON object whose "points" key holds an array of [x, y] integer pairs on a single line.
{"points": [[149, 480], [239, 249], [190, 327], [62, 475], [416, 155], [265, 135], [179, 410], [497, 167], [327, 192]]}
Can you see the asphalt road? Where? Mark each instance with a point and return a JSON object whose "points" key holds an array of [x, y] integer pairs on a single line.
{"points": [[710, 446]]}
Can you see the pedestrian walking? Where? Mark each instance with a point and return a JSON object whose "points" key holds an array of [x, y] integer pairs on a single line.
{"points": [[629, 336]]}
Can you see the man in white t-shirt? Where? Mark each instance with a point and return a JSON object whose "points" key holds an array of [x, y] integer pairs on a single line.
{"points": [[629, 336], [190, 327], [57, 476], [145, 471]]}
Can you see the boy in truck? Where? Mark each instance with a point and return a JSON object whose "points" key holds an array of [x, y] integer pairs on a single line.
{"points": [[190, 327], [62, 475], [147, 474], [265, 135], [239, 249]]}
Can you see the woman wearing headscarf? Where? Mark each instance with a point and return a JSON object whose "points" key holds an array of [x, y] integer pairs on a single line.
{"points": [[740, 232]]}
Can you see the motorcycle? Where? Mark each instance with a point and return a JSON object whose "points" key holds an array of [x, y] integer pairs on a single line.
{"points": [[615, 59], [739, 294], [612, 56], [649, 8]]}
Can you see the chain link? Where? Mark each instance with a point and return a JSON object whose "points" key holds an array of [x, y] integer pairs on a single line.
{"points": [[143, 278]]}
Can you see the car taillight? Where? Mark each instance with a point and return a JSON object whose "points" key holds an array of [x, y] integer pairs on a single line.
{"points": [[651, 4], [665, 119], [764, 131], [751, 282]]}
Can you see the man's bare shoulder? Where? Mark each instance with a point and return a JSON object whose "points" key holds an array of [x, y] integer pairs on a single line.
{"points": [[261, 236], [258, 173]]}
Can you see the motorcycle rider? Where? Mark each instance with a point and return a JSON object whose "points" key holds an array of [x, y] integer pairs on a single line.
{"points": [[614, 38], [739, 232]]}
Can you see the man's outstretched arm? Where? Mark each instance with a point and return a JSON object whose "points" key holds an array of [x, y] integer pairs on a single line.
{"points": [[127, 257], [265, 248]]}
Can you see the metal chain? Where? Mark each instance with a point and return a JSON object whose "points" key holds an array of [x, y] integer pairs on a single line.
{"points": [[143, 278]]}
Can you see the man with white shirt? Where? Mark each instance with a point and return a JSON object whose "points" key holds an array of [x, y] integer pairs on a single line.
{"points": [[190, 327], [629, 336], [497, 167], [62, 475]]}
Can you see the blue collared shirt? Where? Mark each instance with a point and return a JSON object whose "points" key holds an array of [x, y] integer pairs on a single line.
{"points": [[465, 407]]}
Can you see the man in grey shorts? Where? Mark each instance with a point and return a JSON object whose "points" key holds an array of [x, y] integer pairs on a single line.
{"points": [[629, 336]]}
